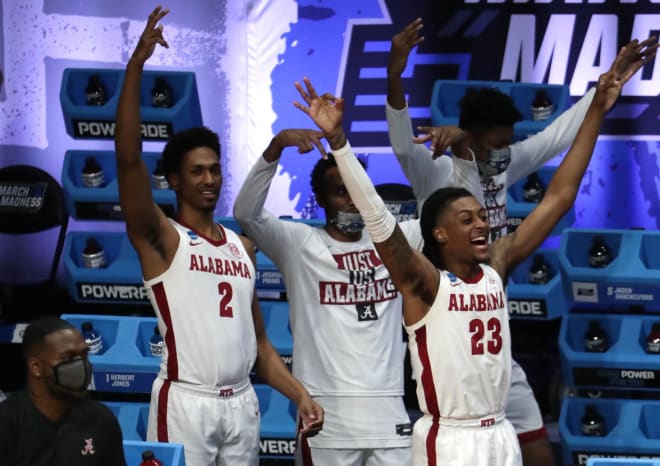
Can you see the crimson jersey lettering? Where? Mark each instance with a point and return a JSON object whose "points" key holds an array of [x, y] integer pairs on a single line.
{"points": [[476, 302], [219, 266]]}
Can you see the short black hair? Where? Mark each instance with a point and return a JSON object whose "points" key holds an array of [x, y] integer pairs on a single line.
{"points": [[434, 206], [484, 108], [184, 141], [318, 173], [35, 334]]}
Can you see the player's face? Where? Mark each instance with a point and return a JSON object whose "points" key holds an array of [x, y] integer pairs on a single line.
{"points": [[465, 228], [335, 195], [335, 198], [199, 181], [483, 142]]}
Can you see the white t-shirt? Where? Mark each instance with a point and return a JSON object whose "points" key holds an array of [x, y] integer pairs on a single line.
{"points": [[345, 314]]}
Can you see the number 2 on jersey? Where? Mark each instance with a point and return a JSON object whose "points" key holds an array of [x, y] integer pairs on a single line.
{"points": [[493, 340], [225, 292]]}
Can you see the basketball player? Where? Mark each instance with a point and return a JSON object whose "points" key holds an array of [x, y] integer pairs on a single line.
{"points": [[200, 278], [486, 129], [345, 314], [454, 302]]}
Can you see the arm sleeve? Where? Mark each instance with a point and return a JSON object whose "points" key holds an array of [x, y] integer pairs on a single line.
{"points": [[534, 152], [270, 234], [380, 223], [424, 174], [466, 175]]}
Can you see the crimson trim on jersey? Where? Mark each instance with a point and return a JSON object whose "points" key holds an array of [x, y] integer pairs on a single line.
{"points": [[476, 277], [533, 435], [161, 415], [303, 444], [427, 375], [222, 241], [170, 342]]}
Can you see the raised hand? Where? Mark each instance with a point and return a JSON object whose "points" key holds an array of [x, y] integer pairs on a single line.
{"points": [[608, 89], [441, 137], [402, 44], [152, 35], [326, 111], [304, 139], [632, 57]]}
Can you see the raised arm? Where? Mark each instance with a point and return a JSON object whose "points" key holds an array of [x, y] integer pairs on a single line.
{"points": [[413, 275], [424, 174], [273, 236], [145, 222], [534, 152], [510, 250]]}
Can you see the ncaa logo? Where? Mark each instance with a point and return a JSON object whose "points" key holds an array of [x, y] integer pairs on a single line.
{"points": [[192, 235], [235, 251]]}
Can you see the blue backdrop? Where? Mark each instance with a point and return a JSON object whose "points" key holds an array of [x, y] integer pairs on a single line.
{"points": [[247, 54]]}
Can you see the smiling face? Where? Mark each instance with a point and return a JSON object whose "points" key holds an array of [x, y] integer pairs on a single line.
{"points": [[199, 179], [462, 231]]}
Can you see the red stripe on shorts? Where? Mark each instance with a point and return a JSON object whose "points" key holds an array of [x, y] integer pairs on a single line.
{"points": [[161, 415], [170, 341]]}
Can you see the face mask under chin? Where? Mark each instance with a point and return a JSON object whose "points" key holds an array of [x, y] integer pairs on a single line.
{"points": [[348, 222], [498, 161]]}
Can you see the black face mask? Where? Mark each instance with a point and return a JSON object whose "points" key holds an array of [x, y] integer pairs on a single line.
{"points": [[73, 375]]}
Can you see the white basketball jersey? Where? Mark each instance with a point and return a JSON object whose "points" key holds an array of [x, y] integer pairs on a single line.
{"points": [[461, 349], [204, 308]]}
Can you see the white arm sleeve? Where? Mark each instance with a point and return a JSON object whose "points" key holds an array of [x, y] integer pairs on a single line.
{"points": [[424, 174], [380, 223], [273, 236]]}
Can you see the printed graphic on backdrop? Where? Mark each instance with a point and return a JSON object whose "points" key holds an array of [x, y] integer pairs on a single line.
{"points": [[546, 43]]}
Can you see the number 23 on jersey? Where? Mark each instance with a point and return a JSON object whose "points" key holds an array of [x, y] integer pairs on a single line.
{"points": [[486, 336]]}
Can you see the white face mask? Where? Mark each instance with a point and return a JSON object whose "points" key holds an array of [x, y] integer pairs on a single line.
{"points": [[498, 161], [348, 222]]}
